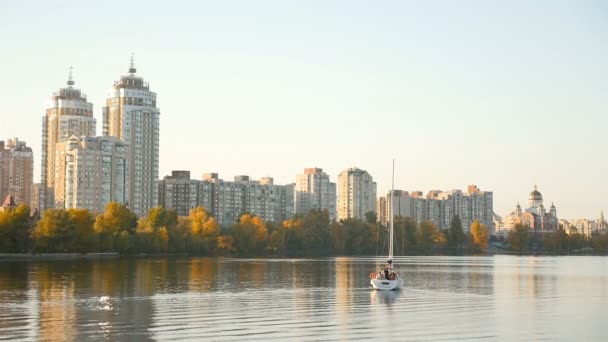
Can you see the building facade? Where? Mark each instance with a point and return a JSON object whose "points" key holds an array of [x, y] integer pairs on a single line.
{"points": [[440, 207], [313, 190], [16, 171], [356, 194], [131, 115], [227, 200], [179, 192], [68, 113], [90, 172], [535, 217]]}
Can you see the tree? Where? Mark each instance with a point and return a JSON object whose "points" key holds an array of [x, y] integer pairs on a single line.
{"points": [[479, 235], [426, 236], [519, 238], [81, 221], [371, 217], [250, 235], [315, 232], [204, 231], [15, 229], [111, 224], [456, 234]]}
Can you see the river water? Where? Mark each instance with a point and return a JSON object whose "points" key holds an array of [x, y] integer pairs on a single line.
{"points": [[505, 298]]}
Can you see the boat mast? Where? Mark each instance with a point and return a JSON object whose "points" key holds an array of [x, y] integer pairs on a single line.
{"points": [[390, 248]]}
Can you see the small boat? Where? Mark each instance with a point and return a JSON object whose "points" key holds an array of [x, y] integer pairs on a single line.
{"points": [[388, 279]]}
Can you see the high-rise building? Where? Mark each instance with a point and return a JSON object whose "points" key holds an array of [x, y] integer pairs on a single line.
{"points": [[16, 170], [356, 194], [313, 190], [131, 115], [440, 207], [35, 199], [90, 172], [179, 192], [68, 113], [226, 200]]}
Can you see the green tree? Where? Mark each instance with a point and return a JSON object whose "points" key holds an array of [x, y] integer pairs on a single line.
{"points": [[519, 238], [556, 241], [315, 232], [371, 217], [456, 236], [479, 235]]}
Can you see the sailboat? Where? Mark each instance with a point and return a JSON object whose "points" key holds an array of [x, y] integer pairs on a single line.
{"points": [[388, 279]]}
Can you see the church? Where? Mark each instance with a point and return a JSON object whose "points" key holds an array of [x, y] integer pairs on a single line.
{"points": [[535, 217]]}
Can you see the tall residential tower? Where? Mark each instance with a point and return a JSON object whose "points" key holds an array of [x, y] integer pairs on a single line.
{"points": [[68, 113], [315, 191], [131, 115], [356, 194]]}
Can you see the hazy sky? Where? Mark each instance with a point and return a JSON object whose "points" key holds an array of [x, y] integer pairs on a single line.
{"points": [[504, 95]]}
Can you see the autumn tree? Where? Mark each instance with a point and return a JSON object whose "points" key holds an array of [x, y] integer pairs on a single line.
{"points": [[204, 231], [112, 223], [250, 235], [426, 236], [15, 229], [479, 235]]}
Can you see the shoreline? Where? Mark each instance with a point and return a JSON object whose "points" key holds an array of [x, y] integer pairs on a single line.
{"points": [[116, 255]]}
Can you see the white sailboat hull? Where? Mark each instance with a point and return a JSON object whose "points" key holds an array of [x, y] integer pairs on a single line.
{"points": [[386, 285]]}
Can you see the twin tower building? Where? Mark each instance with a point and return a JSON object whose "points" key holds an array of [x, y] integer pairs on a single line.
{"points": [[82, 170]]}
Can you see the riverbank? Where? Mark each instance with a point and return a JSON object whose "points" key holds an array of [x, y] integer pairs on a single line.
{"points": [[57, 256]]}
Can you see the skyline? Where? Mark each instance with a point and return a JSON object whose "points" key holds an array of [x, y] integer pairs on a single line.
{"points": [[506, 109]]}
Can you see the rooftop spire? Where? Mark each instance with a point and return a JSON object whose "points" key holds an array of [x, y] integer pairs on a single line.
{"points": [[132, 69], [70, 79]]}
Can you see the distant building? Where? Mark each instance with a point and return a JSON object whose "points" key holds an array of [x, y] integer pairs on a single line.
{"points": [[67, 114], [313, 190], [131, 115], [9, 203], [16, 171], [535, 217], [440, 207], [356, 194], [179, 192], [90, 172], [35, 201], [225, 200]]}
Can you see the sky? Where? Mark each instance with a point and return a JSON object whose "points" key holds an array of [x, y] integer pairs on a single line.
{"points": [[502, 94]]}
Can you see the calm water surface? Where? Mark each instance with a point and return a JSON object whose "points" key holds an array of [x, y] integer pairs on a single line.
{"points": [[445, 298]]}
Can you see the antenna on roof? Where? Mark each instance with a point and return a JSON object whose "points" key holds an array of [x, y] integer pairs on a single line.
{"points": [[132, 69], [70, 79]]}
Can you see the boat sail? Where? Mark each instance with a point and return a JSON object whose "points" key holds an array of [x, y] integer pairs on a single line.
{"points": [[387, 278]]}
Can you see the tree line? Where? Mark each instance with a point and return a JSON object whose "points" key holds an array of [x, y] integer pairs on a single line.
{"points": [[118, 229], [522, 239]]}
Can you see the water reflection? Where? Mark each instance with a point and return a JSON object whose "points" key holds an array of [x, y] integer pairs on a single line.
{"points": [[384, 297], [314, 299]]}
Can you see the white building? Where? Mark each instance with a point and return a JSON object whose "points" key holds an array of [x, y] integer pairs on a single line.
{"points": [[68, 113], [90, 172], [356, 194], [313, 190], [131, 115]]}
